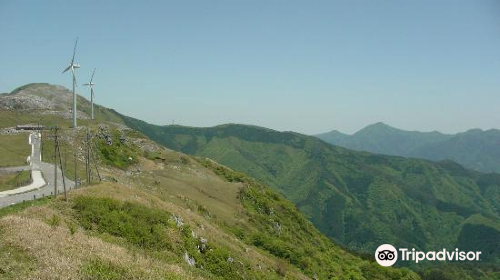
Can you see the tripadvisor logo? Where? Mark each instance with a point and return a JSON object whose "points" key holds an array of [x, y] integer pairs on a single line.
{"points": [[387, 255]]}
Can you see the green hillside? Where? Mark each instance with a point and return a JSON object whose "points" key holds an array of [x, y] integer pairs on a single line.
{"points": [[161, 214], [475, 149], [360, 199], [146, 218]]}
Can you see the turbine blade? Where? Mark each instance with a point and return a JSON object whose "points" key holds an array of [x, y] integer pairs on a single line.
{"points": [[66, 70], [91, 78], [74, 79], [74, 51]]}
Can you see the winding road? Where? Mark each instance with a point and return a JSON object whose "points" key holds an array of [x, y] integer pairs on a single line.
{"points": [[42, 174]]}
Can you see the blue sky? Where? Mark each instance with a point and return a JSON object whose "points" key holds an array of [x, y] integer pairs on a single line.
{"points": [[305, 66]]}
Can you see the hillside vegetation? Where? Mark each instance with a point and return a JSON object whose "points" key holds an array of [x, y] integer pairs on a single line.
{"points": [[160, 214], [173, 217], [14, 149], [360, 199]]}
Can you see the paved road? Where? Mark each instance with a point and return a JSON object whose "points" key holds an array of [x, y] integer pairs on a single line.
{"points": [[47, 170]]}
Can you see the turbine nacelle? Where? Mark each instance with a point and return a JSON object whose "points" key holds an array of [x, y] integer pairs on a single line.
{"points": [[72, 67]]}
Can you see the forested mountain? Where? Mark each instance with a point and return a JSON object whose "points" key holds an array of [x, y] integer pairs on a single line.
{"points": [[475, 149], [360, 199]]}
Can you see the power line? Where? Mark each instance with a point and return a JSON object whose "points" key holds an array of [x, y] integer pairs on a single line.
{"points": [[62, 169]]}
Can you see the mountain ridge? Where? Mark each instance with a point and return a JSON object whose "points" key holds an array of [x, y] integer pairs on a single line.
{"points": [[339, 190], [225, 146], [475, 148]]}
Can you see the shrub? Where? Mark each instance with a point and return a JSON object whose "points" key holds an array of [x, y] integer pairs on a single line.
{"points": [[121, 155], [99, 269], [54, 221], [135, 223]]}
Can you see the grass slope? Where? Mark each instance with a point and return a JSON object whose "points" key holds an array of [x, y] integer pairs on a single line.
{"points": [[14, 149], [357, 198], [144, 226], [336, 188]]}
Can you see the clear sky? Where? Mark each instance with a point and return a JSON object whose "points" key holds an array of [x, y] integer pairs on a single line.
{"points": [[306, 66]]}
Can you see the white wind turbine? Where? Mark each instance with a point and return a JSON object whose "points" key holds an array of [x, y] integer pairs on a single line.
{"points": [[91, 85], [73, 66]]}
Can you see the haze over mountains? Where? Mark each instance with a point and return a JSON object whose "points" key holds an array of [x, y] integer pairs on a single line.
{"points": [[476, 149]]}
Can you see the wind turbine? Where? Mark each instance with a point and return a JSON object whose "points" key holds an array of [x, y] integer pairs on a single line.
{"points": [[91, 85], [73, 66]]}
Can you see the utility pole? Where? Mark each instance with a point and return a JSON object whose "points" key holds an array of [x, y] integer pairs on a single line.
{"points": [[76, 175], [40, 134], [62, 170], [57, 153], [41, 145], [94, 156], [87, 162], [55, 161], [87, 158]]}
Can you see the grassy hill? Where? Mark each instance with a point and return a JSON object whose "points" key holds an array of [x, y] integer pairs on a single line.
{"points": [[148, 218], [475, 149], [161, 214], [360, 199]]}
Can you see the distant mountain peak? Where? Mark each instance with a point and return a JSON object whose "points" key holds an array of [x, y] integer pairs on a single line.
{"points": [[43, 97], [380, 124], [40, 88], [378, 127], [335, 132]]}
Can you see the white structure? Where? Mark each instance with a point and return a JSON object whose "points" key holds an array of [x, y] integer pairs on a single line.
{"points": [[73, 66], [91, 85]]}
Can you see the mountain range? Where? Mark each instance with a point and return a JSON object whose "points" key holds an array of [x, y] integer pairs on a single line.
{"points": [[475, 149], [251, 190], [359, 199]]}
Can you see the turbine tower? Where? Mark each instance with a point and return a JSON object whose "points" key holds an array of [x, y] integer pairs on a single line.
{"points": [[73, 66], [91, 85]]}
